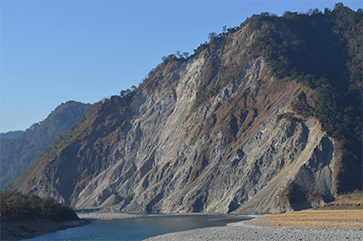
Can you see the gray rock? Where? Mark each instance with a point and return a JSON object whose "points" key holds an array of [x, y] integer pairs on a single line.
{"points": [[231, 153]]}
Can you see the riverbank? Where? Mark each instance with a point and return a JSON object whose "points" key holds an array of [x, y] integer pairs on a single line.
{"points": [[106, 215], [302, 225], [17, 230], [314, 219], [111, 216]]}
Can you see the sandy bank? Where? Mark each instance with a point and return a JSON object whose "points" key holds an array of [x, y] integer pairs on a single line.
{"points": [[16, 230], [254, 232], [314, 219], [304, 225]]}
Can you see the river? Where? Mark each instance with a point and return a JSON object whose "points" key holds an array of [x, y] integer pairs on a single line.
{"points": [[138, 228]]}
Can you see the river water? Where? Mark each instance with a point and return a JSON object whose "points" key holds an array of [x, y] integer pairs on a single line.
{"points": [[138, 228]]}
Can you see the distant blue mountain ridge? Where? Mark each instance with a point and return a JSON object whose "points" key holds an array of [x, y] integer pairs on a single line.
{"points": [[19, 148], [10, 134]]}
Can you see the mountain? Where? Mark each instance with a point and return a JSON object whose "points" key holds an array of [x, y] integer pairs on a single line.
{"points": [[18, 152], [265, 117], [10, 134]]}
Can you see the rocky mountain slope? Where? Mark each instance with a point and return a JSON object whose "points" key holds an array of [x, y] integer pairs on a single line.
{"points": [[18, 152], [216, 132]]}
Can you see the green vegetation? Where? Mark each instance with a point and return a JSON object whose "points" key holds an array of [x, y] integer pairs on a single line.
{"points": [[129, 93], [16, 154], [17, 206], [71, 133], [177, 57], [324, 52], [10, 134], [60, 141]]}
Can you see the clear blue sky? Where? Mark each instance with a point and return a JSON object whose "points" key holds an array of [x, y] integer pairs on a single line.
{"points": [[55, 51]]}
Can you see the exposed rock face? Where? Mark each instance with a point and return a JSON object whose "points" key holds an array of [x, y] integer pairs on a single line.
{"points": [[158, 153]]}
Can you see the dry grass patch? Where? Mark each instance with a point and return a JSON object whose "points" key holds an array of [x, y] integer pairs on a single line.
{"points": [[314, 219], [354, 198]]}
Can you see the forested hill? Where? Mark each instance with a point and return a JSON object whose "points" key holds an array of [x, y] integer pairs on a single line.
{"points": [[17, 153], [20, 207], [324, 52]]}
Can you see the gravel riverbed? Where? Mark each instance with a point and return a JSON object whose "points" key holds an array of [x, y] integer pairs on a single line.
{"points": [[245, 231], [107, 216]]}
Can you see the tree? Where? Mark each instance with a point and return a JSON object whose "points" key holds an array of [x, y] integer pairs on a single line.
{"points": [[17, 206], [178, 54], [185, 55], [212, 36], [224, 29]]}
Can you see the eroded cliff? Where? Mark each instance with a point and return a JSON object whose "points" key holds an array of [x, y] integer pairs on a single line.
{"points": [[237, 150]]}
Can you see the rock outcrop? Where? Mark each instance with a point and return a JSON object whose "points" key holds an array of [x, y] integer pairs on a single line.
{"points": [[159, 151]]}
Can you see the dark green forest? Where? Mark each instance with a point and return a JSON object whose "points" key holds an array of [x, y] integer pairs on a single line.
{"points": [[17, 206], [16, 154], [326, 55]]}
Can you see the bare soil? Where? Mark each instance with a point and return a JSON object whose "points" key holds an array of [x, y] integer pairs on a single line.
{"points": [[314, 219]]}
